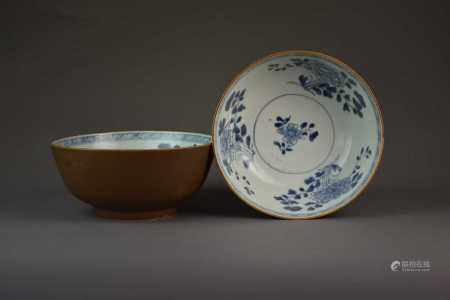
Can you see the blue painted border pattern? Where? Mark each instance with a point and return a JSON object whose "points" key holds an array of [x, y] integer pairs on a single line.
{"points": [[133, 136]]}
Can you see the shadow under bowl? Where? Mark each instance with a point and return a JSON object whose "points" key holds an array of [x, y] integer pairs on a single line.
{"points": [[134, 174]]}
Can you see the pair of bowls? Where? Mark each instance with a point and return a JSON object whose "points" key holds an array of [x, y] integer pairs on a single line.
{"points": [[297, 135]]}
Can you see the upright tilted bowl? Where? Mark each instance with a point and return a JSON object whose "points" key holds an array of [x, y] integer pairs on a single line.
{"points": [[298, 134], [134, 174]]}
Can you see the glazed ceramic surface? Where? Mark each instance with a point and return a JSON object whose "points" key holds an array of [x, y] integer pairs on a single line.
{"points": [[138, 174], [298, 134], [137, 140]]}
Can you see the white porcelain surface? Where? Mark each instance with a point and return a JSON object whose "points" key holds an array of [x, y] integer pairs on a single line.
{"points": [[298, 135]]}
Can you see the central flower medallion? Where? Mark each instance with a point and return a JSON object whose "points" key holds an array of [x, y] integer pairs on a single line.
{"points": [[292, 132]]}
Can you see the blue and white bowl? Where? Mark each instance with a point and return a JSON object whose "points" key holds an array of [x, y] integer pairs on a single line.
{"points": [[298, 135], [134, 174]]}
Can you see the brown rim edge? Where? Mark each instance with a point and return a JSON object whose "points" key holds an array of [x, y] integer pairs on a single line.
{"points": [[338, 62], [53, 144]]}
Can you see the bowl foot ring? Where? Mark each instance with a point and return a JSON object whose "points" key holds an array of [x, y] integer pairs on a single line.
{"points": [[137, 215]]}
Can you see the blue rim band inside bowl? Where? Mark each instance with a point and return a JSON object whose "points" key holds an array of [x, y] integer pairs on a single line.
{"points": [[134, 140]]}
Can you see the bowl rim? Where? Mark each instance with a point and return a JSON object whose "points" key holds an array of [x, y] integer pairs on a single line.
{"points": [[321, 55], [54, 144]]}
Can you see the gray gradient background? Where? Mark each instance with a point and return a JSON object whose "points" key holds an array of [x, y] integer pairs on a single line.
{"points": [[70, 67]]}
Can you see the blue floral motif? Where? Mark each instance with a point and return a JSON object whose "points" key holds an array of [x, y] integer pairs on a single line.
{"points": [[326, 81], [292, 133], [234, 139], [324, 186]]}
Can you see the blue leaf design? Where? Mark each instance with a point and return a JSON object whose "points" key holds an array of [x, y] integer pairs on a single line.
{"points": [[228, 103], [309, 180], [291, 192], [360, 98], [346, 107], [222, 126], [245, 163], [293, 208], [356, 104], [303, 80], [313, 136], [241, 94], [243, 129]]}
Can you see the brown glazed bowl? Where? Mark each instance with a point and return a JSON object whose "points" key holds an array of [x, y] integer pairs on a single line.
{"points": [[134, 174]]}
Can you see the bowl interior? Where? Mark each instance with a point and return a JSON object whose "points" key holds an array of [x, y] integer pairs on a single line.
{"points": [[298, 135], [134, 140]]}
